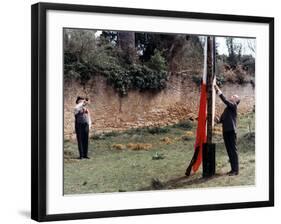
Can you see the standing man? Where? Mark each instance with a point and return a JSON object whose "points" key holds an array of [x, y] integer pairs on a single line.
{"points": [[82, 126], [228, 120]]}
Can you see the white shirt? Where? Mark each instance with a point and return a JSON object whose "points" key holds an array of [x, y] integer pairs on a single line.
{"points": [[78, 108]]}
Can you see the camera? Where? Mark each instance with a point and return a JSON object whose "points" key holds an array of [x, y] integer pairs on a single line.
{"points": [[85, 101]]}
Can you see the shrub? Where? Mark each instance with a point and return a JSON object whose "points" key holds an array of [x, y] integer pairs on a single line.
{"points": [[78, 70], [241, 78], [157, 62], [184, 124], [119, 79], [158, 130], [137, 131], [230, 76], [145, 78], [122, 76], [150, 130], [98, 137], [196, 79], [111, 134], [248, 64]]}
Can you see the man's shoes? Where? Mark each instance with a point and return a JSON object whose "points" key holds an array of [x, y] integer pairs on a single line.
{"points": [[233, 173], [86, 157], [80, 158]]}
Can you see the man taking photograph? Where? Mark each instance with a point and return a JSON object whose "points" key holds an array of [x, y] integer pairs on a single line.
{"points": [[82, 126]]}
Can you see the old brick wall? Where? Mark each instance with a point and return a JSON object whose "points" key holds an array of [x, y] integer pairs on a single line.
{"points": [[110, 112]]}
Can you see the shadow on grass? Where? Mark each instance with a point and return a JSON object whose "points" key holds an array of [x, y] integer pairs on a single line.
{"points": [[179, 182]]}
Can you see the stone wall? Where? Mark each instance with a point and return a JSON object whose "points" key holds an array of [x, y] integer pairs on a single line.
{"points": [[110, 112]]}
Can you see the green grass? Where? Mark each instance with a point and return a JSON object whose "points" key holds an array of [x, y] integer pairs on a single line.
{"points": [[160, 167]]}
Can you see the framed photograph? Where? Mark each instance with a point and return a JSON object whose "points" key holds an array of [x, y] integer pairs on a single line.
{"points": [[141, 111]]}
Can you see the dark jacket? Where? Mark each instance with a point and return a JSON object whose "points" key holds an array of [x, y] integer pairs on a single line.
{"points": [[229, 115], [81, 118]]}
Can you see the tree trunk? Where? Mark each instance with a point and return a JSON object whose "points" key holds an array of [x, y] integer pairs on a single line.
{"points": [[126, 42]]}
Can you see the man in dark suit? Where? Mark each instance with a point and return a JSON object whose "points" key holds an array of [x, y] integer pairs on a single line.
{"points": [[82, 126], [229, 120]]}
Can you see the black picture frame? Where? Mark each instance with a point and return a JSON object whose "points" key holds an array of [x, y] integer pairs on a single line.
{"points": [[39, 114]]}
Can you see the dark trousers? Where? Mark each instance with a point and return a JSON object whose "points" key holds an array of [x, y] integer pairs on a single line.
{"points": [[82, 135], [230, 139]]}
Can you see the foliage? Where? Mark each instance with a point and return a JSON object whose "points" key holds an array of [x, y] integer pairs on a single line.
{"points": [[78, 44], [240, 64], [220, 80], [241, 78], [141, 61], [248, 64], [119, 78], [196, 79], [134, 131], [234, 52], [136, 76], [184, 124], [86, 56], [109, 36], [145, 78], [110, 134], [158, 130], [157, 61]]}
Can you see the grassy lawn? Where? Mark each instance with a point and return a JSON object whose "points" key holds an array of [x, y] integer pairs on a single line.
{"points": [[118, 166]]}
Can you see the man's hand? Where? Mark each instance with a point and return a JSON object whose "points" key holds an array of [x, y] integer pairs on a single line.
{"points": [[216, 87], [217, 119], [218, 91]]}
